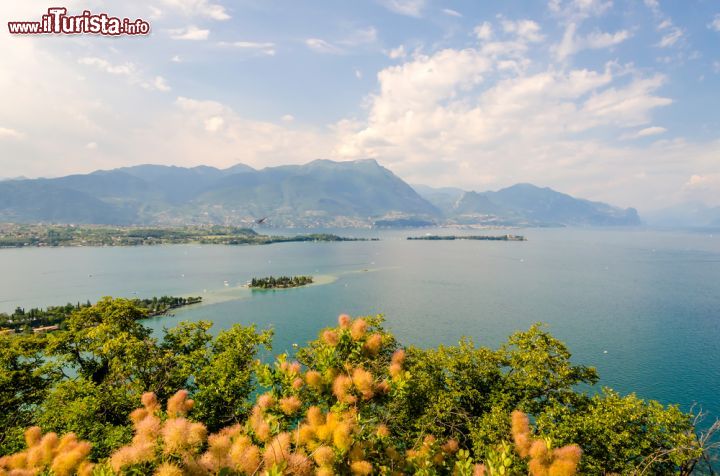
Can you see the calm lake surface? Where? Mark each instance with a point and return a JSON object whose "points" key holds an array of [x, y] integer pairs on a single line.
{"points": [[642, 306]]}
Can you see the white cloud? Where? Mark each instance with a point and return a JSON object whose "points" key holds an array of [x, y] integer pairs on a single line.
{"points": [[598, 39], [218, 135], [358, 74], [627, 106], [578, 10], [437, 119], [671, 37], [201, 8], [703, 181], [214, 123], [526, 30], [646, 132], [397, 53], [155, 12], [176, 59], [651, 131], [158, 83], [571, 43], [7, 133], [664, 24], [322, 46], [128, 70], [125, 69], [355, 38], [412, 8], [265, 48], [483, 31], [451, 13], [288, 118], [360, 36], [702, 187], [189, 33], [715, 24], [91, 146]]}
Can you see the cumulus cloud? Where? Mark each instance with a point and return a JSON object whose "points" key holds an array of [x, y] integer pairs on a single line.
{"points": [[321, 46], [579, 10], [451, 13], [527, 30], [264, 48], [191, 32], [397, 53], [354, 39], [8, 133], [158, 83], [646, 132], [223, 137], [128, 70], [412, 8], [702, 188], [444, 117], [361, 36], [125, 69], [715, 24], [572, 43], [201, 8], [483, 31], [669, 39], [703, 181], [652, 4]]}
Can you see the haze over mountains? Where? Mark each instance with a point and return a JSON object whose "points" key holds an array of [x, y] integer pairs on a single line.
{"points": [[320, 193]]}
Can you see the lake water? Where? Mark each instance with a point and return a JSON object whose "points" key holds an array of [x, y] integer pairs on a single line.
{"points": [[642, 306]]}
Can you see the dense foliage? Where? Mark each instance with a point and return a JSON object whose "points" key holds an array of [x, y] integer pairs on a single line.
{"points": [[354, 402], [271, 282]]}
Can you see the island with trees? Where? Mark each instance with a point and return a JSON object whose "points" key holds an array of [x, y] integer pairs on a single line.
{"points": [[469, 237], [19, 236], [53, 318], [282, 282], [107, 396]]}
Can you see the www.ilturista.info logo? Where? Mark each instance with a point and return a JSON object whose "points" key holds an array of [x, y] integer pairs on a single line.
{"points": [[57, 21]]}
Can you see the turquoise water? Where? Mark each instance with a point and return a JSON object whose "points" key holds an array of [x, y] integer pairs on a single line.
{"points": [[642, 306]]}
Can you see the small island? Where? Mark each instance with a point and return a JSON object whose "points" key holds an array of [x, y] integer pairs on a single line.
{"points": [[470, 237], [282, 282]]}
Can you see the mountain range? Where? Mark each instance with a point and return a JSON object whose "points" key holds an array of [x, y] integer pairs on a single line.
{"points": [[322, 193], [525, 204]]}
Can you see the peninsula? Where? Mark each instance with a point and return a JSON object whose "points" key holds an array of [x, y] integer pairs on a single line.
{"points": [[39, 320], [19, 236]]}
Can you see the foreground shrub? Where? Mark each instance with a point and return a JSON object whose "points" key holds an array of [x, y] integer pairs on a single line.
{"points": [[356, 402]]}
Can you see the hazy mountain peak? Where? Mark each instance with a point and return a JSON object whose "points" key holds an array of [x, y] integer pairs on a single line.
{"points": [[238, 168], [528, 204]]}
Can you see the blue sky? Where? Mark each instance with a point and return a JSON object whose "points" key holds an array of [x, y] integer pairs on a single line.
{"points": [[615, 100]]}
